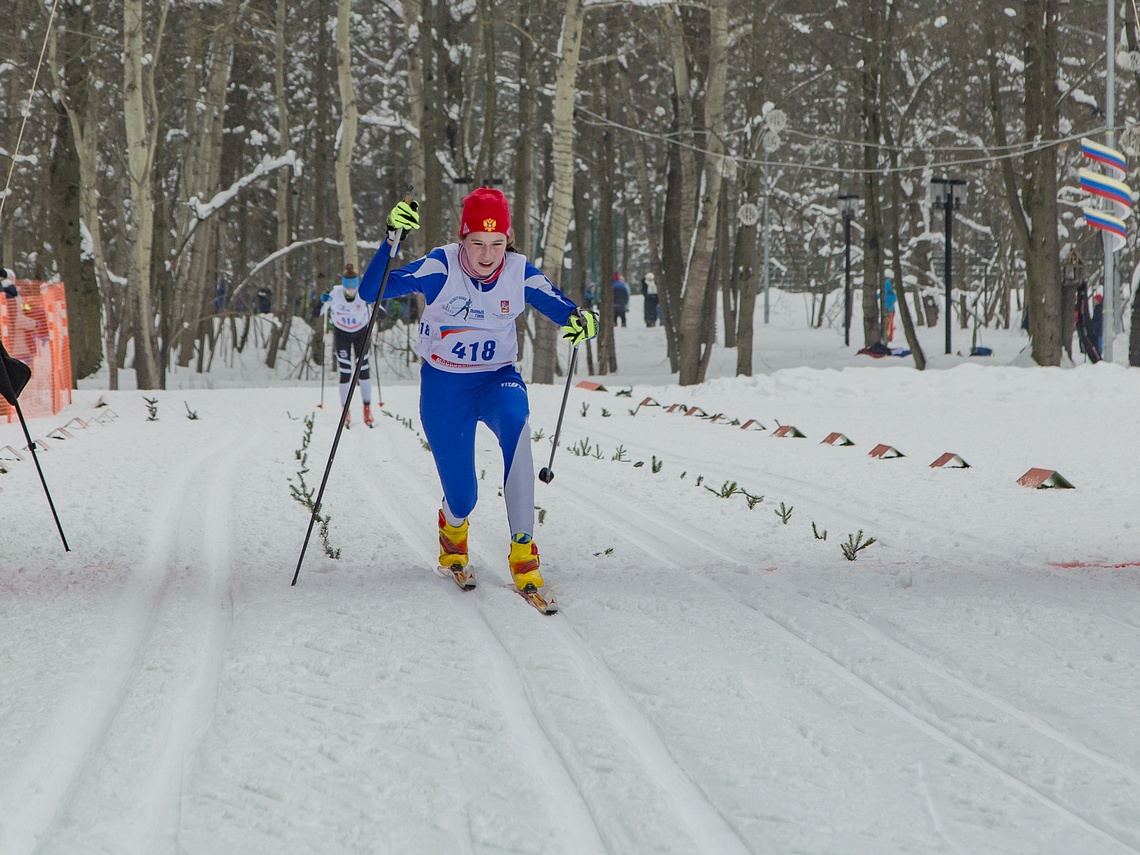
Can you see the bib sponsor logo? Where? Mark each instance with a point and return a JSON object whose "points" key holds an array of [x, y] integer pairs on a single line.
{"points": [[458, 306], [505, 307]]}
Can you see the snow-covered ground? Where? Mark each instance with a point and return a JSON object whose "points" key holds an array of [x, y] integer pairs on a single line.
{"points": [[718, 680]]}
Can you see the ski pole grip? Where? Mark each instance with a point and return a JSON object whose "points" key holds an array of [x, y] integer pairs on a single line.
{"points": [[401, 233]]}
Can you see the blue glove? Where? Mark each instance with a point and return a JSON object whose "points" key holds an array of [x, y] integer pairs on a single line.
{"points": [[581, 326], [325, 297]]}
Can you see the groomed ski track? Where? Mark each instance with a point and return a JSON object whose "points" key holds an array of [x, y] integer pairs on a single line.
{"points": [[704, 688]]}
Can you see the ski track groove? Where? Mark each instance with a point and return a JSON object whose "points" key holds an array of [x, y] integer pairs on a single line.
{"points": [[52, 770], [809, 493], [572, 821], [679, 535], [709, 829]]}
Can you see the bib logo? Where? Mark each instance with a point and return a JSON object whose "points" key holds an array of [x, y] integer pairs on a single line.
{"points": [[489, 224], [504, 307], [457, 306]]}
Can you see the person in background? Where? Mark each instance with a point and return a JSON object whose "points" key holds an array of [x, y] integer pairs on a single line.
{"points": [[621, 299], [652, 305], [349, 316], [475, 290], [591, 294], [890, 303], [1096, 323], [8, 282]]}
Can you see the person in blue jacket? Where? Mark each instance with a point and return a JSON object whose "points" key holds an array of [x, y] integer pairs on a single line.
{"points": [[890, 303], [474, 290]]}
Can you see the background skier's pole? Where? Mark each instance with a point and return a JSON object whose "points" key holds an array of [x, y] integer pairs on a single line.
{"points": [[376, 310], [324, 364], [546, 474]]}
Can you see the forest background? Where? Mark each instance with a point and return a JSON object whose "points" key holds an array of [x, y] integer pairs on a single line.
{"points": [[169, 160]]}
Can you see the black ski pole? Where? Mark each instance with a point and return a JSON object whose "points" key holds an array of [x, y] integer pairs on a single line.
{"points": [[376, 310], [546, 474], [15, 402], [324, 365]]}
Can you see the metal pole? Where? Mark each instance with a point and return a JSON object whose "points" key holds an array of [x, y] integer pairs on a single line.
{"points": [[847, 279], [767, 277], [1109, 316], [948, 189]]}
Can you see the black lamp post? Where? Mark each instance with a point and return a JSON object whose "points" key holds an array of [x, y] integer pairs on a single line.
{"points": [[849, 207], [949, 193]]}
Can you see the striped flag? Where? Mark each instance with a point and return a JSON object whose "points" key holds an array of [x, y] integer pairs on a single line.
{"points": [[1112, 226], [1109, 187], [1110, 158]]}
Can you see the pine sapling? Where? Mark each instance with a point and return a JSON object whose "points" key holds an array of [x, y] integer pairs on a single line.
{"points": [[656, 464], [605, 413], [619, 455], [725, 492], [152, 408], [784, 513], [753, 501], [304, 494], [818, 534], [854, 545], [190, 414], [585, 409]]}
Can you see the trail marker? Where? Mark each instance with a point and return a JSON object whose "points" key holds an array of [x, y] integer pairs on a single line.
{"points": [[949, 461], [1043, 479], [885, 452]]}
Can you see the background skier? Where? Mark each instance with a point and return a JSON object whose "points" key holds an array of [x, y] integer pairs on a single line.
{"points": [[349, 316]]}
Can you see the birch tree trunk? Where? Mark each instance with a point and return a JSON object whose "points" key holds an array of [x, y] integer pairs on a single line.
{"points": [[139, 114], [562, 188], [695, 305], [346, 137], [283, 288]]}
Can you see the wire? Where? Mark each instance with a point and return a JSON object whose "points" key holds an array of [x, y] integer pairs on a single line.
{"points": [[1015, 151], [27, 110]]}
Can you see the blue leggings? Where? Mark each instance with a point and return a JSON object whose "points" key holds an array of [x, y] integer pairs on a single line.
{"points": [[451, 406]]}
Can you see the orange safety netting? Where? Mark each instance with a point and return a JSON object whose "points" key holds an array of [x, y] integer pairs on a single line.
{"points": [[33, 327]]}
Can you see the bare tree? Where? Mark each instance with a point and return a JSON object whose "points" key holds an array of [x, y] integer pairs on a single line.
{"points": [[140, 112]]}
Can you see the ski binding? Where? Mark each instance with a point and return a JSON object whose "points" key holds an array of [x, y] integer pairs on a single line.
{"points": [[463, 577]]}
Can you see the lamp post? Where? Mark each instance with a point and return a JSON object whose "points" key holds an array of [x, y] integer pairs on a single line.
{"points": [[949, 193], [849, 208]]}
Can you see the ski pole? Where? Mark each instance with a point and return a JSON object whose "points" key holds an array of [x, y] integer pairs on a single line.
{"points": [[324, 366], [15, 402], [546, 474], [376, 310]]}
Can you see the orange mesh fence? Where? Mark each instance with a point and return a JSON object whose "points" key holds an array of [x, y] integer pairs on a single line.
{"points": [[33, 327]]}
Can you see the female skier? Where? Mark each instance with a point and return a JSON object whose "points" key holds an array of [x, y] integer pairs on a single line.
{"points": [[474, 290], [349, 316]]}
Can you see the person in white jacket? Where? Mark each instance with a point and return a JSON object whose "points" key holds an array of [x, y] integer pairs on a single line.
{"points": [[349, 316]]}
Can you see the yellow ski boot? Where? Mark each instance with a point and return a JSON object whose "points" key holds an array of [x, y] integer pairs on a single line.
{"points": [[453, 552], [524, 562]]}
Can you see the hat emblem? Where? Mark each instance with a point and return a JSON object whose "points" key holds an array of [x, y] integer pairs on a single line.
{"points": [[489, 224]]}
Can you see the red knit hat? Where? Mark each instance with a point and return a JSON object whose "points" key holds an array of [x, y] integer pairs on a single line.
{"points": [[485, 210]]}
